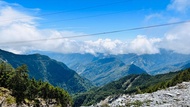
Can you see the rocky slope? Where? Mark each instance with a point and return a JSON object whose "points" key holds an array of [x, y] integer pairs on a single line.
{"points": [[125, 85], [176, 96]]}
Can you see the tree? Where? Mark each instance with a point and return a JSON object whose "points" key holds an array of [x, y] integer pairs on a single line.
{"points": [[6, 71], [22, 87], [20, 82]]}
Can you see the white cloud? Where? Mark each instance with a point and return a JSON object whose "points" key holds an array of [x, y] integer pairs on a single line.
{"points": [[103, 46], [142, 45], [10, 16], [179, 5], [177, 39], [17, 28], [25, 29]]}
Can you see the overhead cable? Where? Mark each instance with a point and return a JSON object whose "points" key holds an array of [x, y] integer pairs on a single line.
{"points": [[100, 33]]}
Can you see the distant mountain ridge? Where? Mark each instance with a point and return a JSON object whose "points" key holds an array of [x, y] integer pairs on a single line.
{"points": [[46, 69], [99, 69], [153, 64], [100, 72], [158, 63], [105, 70]]}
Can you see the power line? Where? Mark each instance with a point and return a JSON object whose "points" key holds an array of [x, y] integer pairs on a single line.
{"points": [[100, 33], [67, 11], [83, 17], [85, 8]]}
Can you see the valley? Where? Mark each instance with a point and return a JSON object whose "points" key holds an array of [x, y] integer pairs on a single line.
{"points": [[106, 75]]}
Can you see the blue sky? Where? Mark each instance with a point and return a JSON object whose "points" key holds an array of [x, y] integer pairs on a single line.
{"points": [[110, 15], [120, 15]]}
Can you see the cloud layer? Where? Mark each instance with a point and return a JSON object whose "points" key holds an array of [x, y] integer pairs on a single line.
{"points": [[14, 28], [177, 39]]}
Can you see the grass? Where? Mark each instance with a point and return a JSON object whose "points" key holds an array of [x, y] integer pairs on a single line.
{"points": [[136, 103], [7, 95], [10, 100]]}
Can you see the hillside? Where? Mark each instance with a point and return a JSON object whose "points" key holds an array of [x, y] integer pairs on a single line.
{"points": [[17, 89], [72, 60], [105, 70], [176, 95], [46, 69], [128, 84]]}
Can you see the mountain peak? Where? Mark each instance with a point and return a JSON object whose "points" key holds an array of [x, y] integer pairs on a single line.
{"points": [[105, 70], [133, 69], [106, 60]]}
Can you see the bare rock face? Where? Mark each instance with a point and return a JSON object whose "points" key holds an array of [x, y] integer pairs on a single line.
{"points": [[176, 96]]}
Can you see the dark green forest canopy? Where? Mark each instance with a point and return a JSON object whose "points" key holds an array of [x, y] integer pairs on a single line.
{"points": [[22, 87]]}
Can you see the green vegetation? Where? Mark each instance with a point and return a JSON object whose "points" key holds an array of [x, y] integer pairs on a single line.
{"points": [[25, 89], [136, 103], [127, 85], [10, 100], [6, 97], [43, 68], [182, 76]]}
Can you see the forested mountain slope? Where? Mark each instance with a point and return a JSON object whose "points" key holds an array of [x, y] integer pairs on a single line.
{"points": [[43, 68]]}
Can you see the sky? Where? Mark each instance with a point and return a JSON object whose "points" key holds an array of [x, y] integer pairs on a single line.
{"points": [[22, 21]]}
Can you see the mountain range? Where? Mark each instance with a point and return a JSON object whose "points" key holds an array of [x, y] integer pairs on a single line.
{"points": [[100, 69], [43, 68], [153, 64], [113, 74], [105, 70]]}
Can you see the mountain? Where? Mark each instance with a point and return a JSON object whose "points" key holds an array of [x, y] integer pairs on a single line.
{"points": [[99, 69], [126, 85], [105, 70], [153, 64], [46, 69], [186, 65], [158, 94], [158, 63], [75, 61]]}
